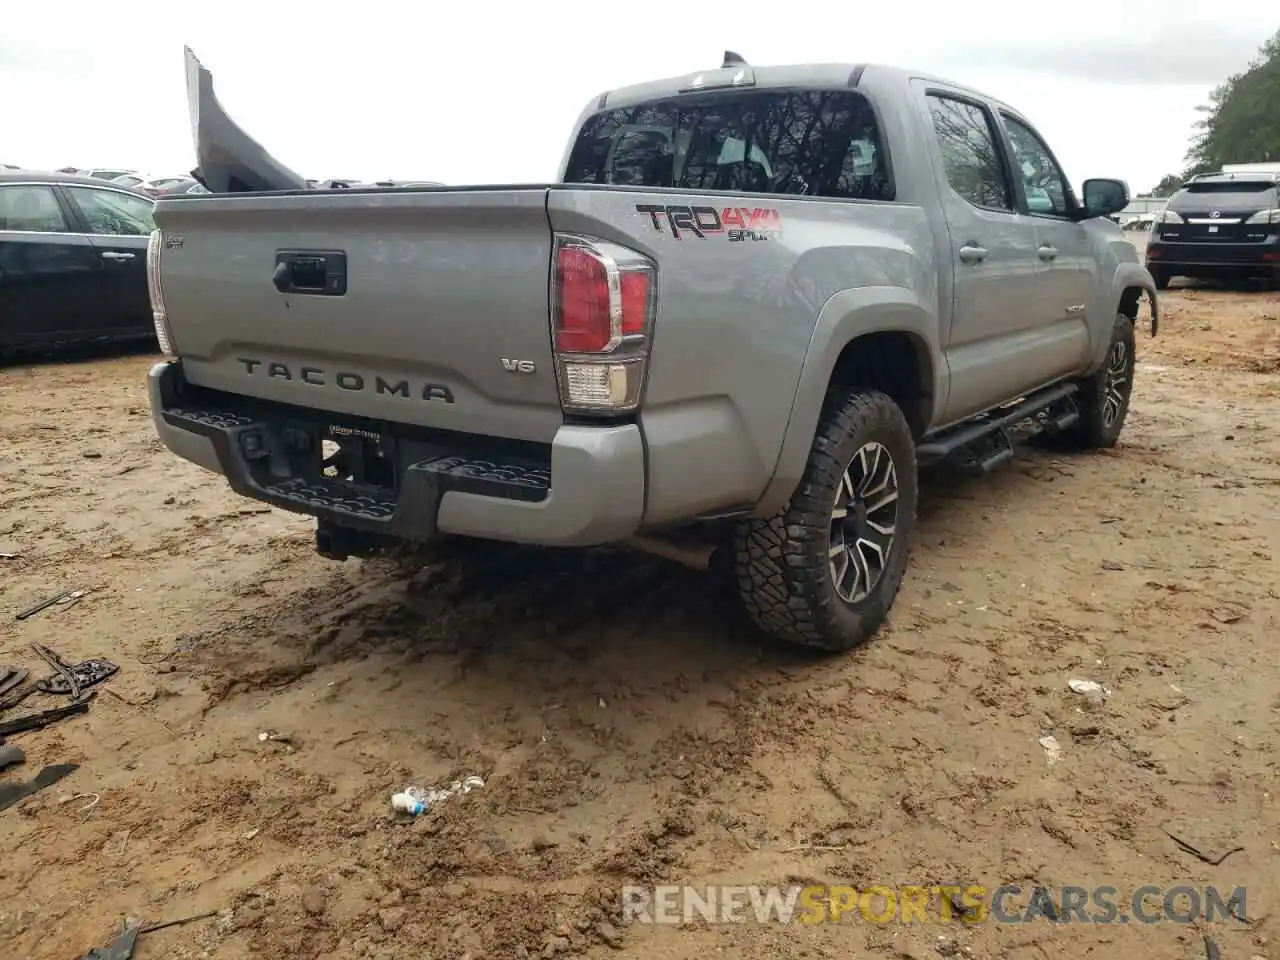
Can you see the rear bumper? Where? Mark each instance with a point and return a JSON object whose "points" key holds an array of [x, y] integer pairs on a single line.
{"points": [[585, 488], [1209, 256]]}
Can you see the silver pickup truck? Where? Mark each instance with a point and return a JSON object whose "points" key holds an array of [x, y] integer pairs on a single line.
{"points": [[754, 302]]}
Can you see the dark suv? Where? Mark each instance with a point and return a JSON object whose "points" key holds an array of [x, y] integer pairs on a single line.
{"points": [[1219, 226]]}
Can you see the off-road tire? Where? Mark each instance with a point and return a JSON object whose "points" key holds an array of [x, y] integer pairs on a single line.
{"points": [[1100, 423], [783, 567]]}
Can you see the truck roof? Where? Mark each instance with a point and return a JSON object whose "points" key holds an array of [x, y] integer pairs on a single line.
{"points": [[822, 75]]}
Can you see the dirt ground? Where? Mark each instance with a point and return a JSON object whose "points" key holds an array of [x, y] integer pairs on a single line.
{"points": [[629, 728]]}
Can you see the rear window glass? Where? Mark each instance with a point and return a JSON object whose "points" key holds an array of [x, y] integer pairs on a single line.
{"points": [[1232, 186], [1226, 195], [809, 143]]}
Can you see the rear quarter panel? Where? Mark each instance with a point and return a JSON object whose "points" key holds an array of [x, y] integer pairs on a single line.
{"points": [[739, 313]]}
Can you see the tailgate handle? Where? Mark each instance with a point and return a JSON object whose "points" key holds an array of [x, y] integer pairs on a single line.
{"points": [[317, 273]]}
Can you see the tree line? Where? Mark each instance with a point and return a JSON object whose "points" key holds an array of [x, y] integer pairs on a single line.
{"points": [[1240, 123]]}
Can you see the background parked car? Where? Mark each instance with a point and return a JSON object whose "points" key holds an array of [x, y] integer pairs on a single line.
{"points": [[129, 179], [158, 186], [182, 185], [73, 260], [109, 173]]}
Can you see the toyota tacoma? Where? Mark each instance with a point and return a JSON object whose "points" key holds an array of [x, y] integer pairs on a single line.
{"points": [[753, 303]]}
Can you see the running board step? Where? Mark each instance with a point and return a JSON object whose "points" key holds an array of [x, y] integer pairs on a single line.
{"points": [[947, 443], [1064, 419], [985, 454], [999, 452]]}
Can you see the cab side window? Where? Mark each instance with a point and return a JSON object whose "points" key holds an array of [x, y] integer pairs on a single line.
{"points": [[31, 208], [970, 155], [1042, 179]]}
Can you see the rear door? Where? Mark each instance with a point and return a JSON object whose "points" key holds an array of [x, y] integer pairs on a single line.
{"points": [[51, 279], [119, 225], [996, 333]]}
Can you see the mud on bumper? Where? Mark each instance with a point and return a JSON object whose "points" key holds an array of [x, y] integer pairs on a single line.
{"points": [[403, 483]]}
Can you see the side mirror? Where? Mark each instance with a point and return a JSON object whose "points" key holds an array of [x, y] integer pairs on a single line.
{"points": [[1104, 197]]}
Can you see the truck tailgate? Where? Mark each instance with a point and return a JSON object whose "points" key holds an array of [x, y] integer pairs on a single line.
{"points": [[429, 308]]}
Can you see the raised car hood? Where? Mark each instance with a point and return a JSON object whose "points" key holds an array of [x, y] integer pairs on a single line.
{"points": [[228, 160]]}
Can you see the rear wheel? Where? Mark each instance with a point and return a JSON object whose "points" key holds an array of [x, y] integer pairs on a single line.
{"points": [[1104, 397], [825, 571], [1161, 278]]}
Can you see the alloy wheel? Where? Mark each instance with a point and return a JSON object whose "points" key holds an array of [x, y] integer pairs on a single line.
{"points": [[864, 520], [1115, 385]]}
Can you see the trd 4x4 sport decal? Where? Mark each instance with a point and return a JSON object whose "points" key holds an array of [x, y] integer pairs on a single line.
{"points": [[737, 223]]}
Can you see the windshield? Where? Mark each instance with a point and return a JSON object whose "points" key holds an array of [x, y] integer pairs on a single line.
{"points": [[812, 143]]}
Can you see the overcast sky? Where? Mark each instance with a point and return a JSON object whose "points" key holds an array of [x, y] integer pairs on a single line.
{"points": [[486, 93]]}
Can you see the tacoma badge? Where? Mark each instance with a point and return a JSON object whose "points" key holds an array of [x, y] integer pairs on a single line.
{"points": [[346, 380]]}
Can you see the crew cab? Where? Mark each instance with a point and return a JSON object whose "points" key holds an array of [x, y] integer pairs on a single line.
{"points": [[753, 302]]}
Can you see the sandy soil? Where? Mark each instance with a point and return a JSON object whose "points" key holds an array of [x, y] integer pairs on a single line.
{"points": [[629, 728]]}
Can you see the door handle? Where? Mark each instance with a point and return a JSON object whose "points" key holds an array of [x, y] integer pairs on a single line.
{"points": [[117, 255], [1047, 252], [972, 253]]}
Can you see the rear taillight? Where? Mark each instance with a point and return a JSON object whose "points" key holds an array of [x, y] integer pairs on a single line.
{"points": [[603, 300], [159, 315]]}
